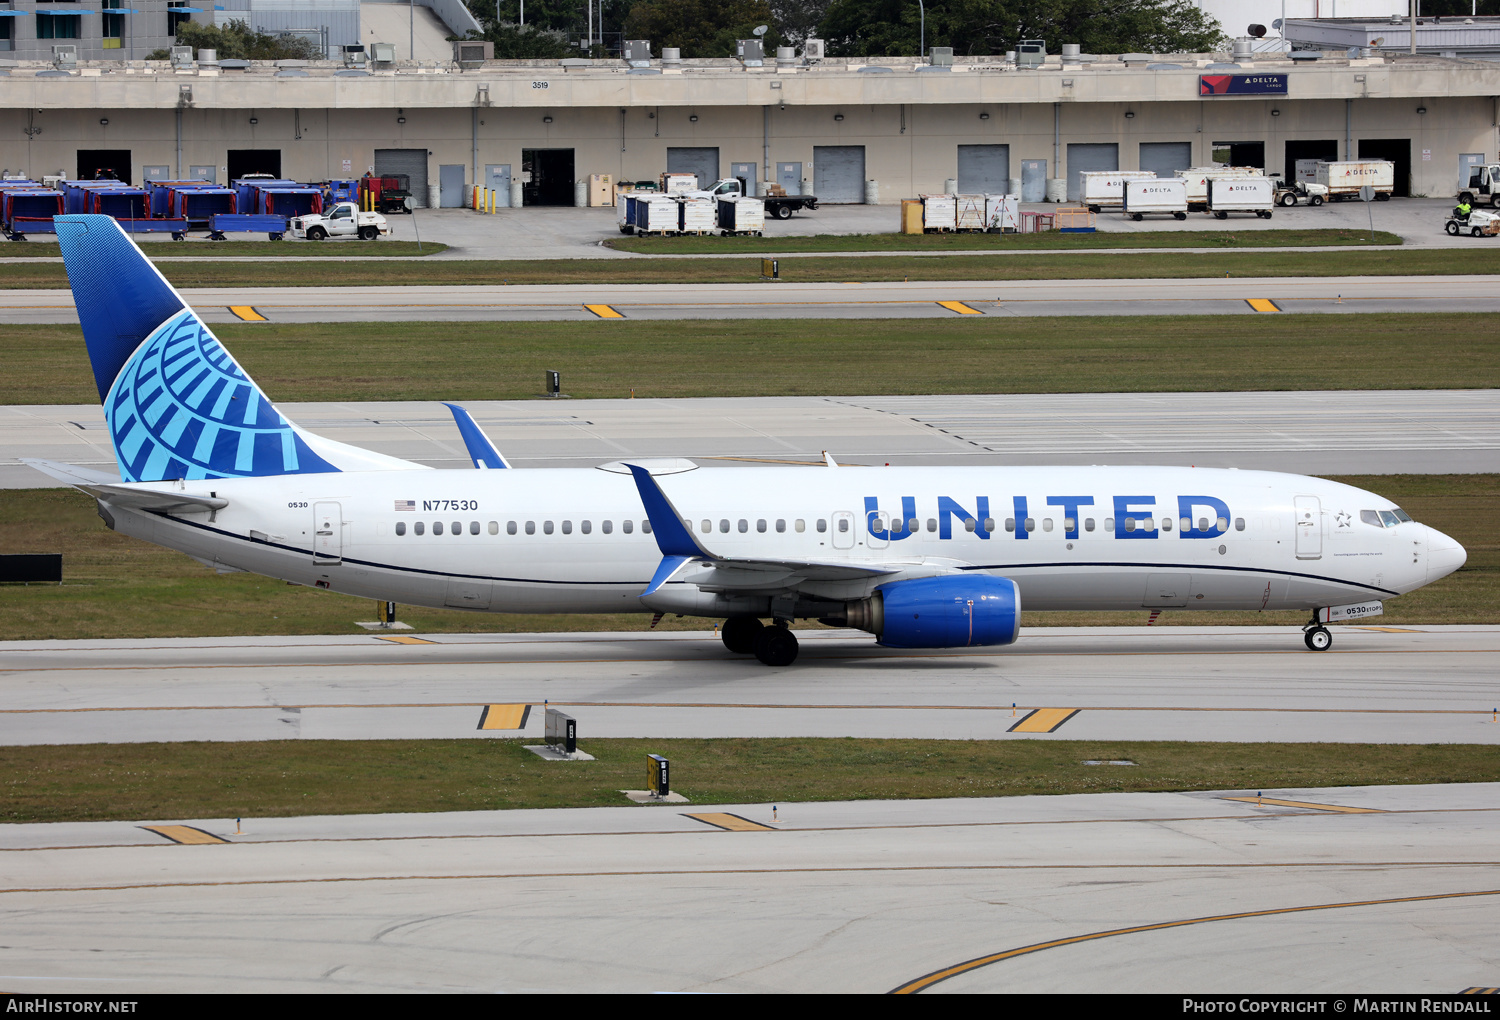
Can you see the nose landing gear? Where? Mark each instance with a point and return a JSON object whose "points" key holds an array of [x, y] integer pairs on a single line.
{"points": [[1316, 636]]}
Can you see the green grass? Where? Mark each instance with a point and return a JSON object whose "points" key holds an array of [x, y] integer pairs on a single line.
{"points": [[241, 249], [1217, 238], [811, 269], [47, 364], [115, 586], [161, 782]]}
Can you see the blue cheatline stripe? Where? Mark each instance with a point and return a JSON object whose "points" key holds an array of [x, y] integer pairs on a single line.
{"points": [[534, 580]]}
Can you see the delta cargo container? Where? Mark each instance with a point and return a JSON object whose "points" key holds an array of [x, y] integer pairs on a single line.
{"points": [[1241, 194], [1197, 179], [1343, 180], [1105, 189], [1158, 195]]}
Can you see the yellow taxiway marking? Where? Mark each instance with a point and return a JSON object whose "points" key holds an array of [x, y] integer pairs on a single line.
{"points": [[733, 823], [1339, 808], [184, 834], [247, 314], [504, 717], [604, 311], [1043, 720], [960, 308], [928, 980], [402, 639], [1261, 304]]}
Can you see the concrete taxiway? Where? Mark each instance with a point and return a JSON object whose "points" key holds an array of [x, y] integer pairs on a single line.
{"points": [[1359, 890], [956, 299], [1312, 432], [1378, 685]]}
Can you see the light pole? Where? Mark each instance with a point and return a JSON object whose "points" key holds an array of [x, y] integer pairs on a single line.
{"points": [[922, 41]]}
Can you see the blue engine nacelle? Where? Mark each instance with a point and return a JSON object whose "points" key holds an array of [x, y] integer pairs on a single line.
{"points": [[948, 612]]}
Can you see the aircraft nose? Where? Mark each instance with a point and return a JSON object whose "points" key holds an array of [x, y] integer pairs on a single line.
{"points": [[1444, 555]]}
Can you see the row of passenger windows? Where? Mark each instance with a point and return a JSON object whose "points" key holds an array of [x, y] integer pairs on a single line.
{"points": [[515, 527], [842, 524]]}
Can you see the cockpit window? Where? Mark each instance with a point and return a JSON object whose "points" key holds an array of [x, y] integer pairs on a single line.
{"points": [[1384, 518], [1388, 519], [1402, 515]]}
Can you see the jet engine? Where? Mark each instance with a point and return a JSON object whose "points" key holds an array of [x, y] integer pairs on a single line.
{"points": [[938, 612]]}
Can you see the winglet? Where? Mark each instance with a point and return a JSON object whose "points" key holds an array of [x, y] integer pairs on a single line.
{"points": [[672, 536], [481, 449]]}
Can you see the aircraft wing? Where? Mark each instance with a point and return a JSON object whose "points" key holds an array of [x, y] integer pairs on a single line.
{"points": [[682, 550], [110, 489]]}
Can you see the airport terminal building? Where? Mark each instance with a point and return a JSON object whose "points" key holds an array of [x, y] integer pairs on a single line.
{"points": [[848, 131]]}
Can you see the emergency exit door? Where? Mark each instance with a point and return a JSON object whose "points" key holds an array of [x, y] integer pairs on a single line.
{"points": [[1309, 525], [328, 533]]}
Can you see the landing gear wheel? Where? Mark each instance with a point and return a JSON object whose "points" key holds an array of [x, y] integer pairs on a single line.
{"points": [[738, 634], [776, 646], [1317, 639]]}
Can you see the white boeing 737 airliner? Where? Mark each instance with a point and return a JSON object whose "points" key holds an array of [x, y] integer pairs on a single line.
{"points": [[921, 557]]}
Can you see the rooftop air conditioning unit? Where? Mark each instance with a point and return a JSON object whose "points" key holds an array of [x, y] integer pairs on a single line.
{"points": [[354, 56], [752, 52], [812, 49], [940, 56], [472, 54], [1031, 53], [383, 52], [66, 55], [638, 52]]}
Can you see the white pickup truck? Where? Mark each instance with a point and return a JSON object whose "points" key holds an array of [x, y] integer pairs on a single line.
{"points": [[343, 220]]}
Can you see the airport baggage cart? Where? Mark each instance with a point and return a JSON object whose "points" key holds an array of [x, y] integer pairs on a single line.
{"points": [[1241, 194], [274, 227], [1002, 213], [160, 194], [939, 213], [29, 211], [199, 205], [1197, 179], [1105, 189], [121, 203], [696, 215], [624, 213], [288, 202], [1165, 196], [655, 214], [968, 213], [742, 217]]}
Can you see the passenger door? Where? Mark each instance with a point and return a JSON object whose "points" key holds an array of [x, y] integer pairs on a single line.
{"points": [[1309, 525]]}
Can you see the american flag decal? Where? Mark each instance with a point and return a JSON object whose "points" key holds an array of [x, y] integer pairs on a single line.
{"points": [[406, 504]]}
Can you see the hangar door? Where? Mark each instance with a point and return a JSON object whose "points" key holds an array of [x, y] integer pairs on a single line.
{"points": [[1089, 156], [839, 174], [1166, 158], [243, 162], [701, 161], [983, 169], [412, 163], [114, 162], [1327, 149]]}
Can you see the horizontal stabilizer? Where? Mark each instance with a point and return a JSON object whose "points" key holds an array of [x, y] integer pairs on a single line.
{"points": [[481, 450], [157, 502], [71, 473]]}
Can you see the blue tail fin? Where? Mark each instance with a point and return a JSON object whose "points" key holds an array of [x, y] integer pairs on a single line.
{"points": [[177, 404]]}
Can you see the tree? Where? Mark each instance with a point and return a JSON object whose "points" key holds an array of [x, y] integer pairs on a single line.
{"points": [[512, 42], [235, 41], [978, 27], [797, 20], [700, 28]]}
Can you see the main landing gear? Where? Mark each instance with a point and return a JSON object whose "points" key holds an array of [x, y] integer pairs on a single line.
{"points": [[1316, 636], [775, 645]]}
